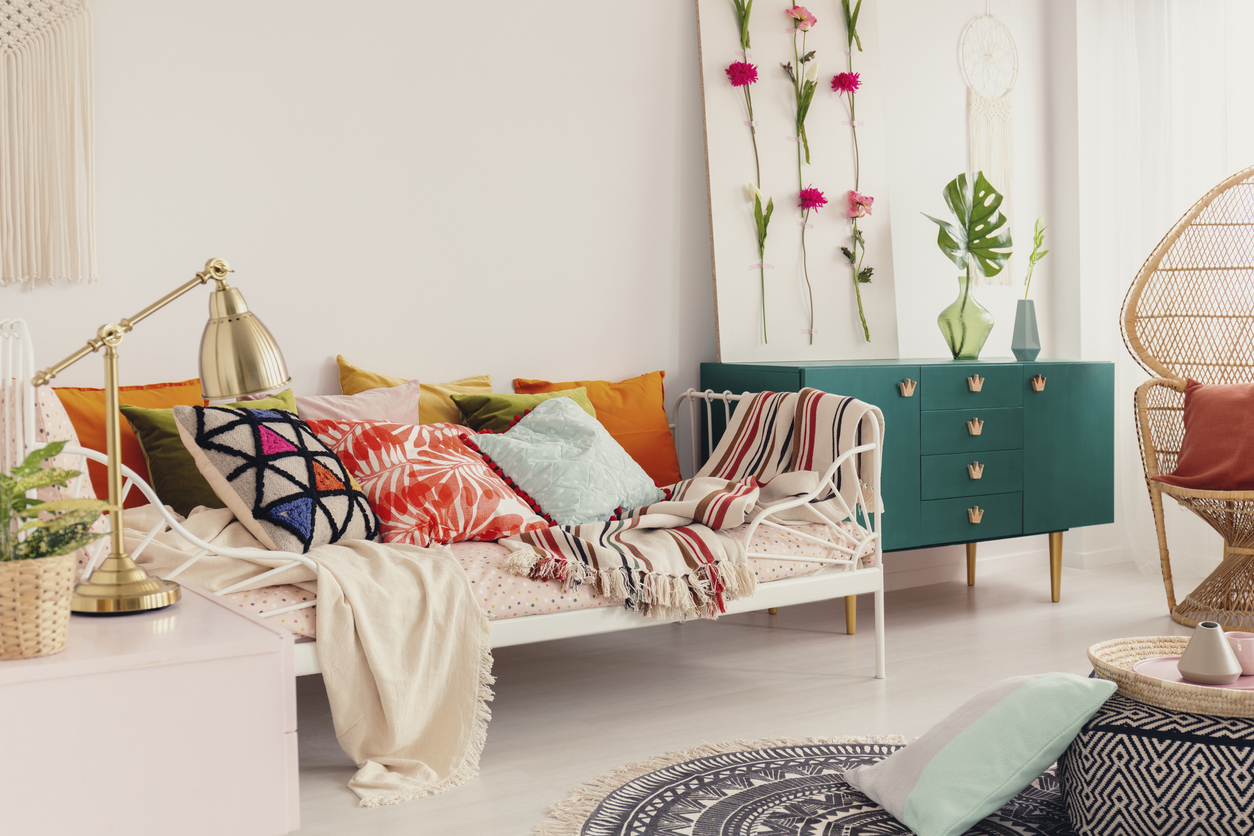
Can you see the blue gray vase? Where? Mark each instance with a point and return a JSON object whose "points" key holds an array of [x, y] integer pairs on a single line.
{"points": [[1026, 342]]}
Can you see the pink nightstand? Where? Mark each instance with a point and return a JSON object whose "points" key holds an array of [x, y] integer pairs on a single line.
{"points": [[181, 720]]}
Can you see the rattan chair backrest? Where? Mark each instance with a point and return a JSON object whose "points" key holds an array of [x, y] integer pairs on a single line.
{"points": [[1190, 312]]}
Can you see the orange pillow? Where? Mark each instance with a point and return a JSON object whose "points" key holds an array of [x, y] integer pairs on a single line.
{"points": [[86, 408], [633, 412], [1217, 452]]}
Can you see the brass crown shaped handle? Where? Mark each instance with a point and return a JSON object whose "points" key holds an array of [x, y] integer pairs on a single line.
{"points": [[975, 383], [975, 515], [907, 387], [1038, 383], [975, 470], [975, 426]]}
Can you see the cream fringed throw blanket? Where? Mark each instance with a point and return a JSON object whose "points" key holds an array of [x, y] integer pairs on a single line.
{"points": [[403, 645]]}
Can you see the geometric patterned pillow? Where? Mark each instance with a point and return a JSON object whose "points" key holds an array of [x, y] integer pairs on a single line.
{"points": [[425, 484], [282, 483]]}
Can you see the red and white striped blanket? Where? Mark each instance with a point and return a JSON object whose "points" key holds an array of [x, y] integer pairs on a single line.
{"points": [[674, 559], [780, 438]]}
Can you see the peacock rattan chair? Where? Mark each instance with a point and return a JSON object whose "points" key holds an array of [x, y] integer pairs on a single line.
{"points": [[1190, 314]]}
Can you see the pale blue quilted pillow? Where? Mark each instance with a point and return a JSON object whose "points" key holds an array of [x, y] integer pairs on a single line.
{"points": [[563, 459]]}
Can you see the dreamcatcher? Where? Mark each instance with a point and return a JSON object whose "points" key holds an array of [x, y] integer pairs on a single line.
{"points": [[990, 65]]}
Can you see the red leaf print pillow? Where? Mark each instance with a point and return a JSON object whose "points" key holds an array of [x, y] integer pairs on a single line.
{"points": [[424, 484]]}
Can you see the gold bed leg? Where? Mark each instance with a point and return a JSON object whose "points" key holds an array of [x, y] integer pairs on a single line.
{"points": [[970, 564], [1055, 565], [773, 610], [851, 614]]}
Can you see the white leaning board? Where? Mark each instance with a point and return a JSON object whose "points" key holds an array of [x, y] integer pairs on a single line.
{"points": [[729, 158], [825, 585]]}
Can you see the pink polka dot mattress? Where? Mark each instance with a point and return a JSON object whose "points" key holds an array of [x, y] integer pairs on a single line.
{"points": [[506, 595]]}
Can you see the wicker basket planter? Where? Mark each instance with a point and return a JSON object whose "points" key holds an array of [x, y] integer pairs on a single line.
{"points": [[35, 605]]}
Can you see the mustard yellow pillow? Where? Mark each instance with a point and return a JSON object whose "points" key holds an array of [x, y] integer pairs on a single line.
{"points": [[435, 406]]}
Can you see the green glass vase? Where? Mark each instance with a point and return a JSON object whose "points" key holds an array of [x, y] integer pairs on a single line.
{"points": [[966, 323]]}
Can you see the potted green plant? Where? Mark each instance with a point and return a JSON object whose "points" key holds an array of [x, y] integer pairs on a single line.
{"points": [[37, 543], [979, 244], [1026, 342]]}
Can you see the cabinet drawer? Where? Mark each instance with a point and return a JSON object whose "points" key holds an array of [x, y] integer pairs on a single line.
{"points": [[947, 387], [946, 476], [948, 520], [950, 431]]}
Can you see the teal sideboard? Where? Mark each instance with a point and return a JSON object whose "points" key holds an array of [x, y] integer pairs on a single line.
{"points": [[973, 450]]}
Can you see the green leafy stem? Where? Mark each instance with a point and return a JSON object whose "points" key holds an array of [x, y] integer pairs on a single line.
{"points": [[762, 220], [31, 528]]}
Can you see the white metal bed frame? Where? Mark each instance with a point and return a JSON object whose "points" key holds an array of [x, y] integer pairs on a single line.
{"points": [[845, 575]]}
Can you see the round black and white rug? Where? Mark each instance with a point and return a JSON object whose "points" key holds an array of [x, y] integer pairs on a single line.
{"points": [[770, 788]]}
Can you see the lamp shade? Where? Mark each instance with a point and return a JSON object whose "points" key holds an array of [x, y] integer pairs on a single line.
{"points": [[238, 355]]}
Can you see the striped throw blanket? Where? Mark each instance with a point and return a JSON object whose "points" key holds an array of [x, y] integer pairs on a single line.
{"points": [[784, 439], [675, 559], [671, 560]]}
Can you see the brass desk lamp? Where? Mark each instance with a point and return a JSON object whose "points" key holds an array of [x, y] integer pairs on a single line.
{"points": [[238, 357]]}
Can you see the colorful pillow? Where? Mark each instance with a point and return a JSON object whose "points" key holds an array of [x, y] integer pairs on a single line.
{"points": [[1217, 452], [436, 408], [633, 412], [984, 754], [395, 404], [86, 410], [280, 481], [425, 484], [498, 413], [559, 457], [172, 470]]}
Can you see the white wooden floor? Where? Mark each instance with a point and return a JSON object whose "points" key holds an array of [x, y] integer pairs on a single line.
{"points": [[570, 710]]}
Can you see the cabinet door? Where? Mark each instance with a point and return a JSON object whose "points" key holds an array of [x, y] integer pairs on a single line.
{"points": [[878, 385], [1068, 446]]}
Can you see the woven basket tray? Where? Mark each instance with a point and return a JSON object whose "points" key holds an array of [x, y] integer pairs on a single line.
{"points": [[1114, 659]]}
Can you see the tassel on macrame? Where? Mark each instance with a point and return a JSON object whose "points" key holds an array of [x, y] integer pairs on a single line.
{"points": [[990, 66], [47, 205]]}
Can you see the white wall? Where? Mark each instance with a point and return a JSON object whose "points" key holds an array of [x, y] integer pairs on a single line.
{"points": [[434, 194], [521, 191]]}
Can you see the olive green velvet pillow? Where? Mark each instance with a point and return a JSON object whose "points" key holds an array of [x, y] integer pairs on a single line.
{"points": [[173, 471], [497, 412]]}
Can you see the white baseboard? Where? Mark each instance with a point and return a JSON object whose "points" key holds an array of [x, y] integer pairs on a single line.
{"points": [[1095, 559]]}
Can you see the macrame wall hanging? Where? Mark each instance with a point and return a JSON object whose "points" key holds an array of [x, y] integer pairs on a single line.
{"points": [[990, 65], [47, 218]]}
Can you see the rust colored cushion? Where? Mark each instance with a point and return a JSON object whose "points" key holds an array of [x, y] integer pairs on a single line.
{"points": [[1217, 453], [633, 412], [86, 410]]}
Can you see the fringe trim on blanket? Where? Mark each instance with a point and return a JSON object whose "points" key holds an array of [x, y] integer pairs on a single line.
{"points": [[566, 818], [478, 730], [664, 597]]}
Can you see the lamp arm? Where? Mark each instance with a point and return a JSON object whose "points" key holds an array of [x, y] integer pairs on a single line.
{"points": [[215, 269]]}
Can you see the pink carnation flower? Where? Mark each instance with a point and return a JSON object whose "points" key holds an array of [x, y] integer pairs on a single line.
{"points": [[846, 82], [742, 73], [805, 20], [812, 198], [859, 204]]}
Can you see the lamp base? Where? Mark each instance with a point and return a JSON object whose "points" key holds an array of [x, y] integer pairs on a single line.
{"points": [[119, 586]]}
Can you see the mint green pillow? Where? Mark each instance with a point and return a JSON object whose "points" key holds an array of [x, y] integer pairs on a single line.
{"points": [[173, 471], [496, 411], [984, 754], [565, 461]]}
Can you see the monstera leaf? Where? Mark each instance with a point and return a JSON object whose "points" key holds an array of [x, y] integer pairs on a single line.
{"points": [[981, 232]]}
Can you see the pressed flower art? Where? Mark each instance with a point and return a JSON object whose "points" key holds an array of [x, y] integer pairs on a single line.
{"points": [[848, 83], [811, 200], [803, 72]]}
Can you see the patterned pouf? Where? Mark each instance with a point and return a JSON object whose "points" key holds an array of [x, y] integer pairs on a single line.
{"points": [[1140, 770], [769, 788]]}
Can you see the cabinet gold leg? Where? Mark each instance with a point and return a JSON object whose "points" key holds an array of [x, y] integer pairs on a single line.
{"points": [[1055, 565], [970, 564], [851, 614], [773, 610]]}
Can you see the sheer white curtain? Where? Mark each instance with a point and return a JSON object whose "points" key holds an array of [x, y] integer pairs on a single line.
{"points": [[1166, 110]]}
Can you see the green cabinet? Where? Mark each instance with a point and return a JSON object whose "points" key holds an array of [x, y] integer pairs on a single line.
{"points": [[1043, 452]]}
